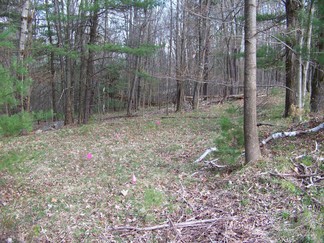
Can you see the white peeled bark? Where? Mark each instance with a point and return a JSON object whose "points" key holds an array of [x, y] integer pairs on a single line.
{"points": [[291, 134]]}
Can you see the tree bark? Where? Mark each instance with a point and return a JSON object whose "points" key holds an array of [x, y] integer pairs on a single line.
{"points": [[252, 148], [180, 57], [317, 91], [90, 81], [23, 39], [52, 67], [202, 53], [292, 9], [68, 109]]}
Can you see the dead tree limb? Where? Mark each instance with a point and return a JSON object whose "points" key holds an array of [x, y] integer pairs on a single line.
{"points": [[208, 151], [195, 223], [295, 175], [291, 134]]}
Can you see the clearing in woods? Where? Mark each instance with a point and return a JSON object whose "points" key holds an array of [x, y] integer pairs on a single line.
{"points": [[77, 184]]}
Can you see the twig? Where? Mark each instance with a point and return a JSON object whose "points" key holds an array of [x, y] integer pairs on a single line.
{"points": [[175, 229], [177, 225], [316, 147], [184, 198], [205, 154]]}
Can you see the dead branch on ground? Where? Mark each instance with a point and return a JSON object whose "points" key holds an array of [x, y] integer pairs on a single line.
{"points": [[291, 134], [196, 223]]}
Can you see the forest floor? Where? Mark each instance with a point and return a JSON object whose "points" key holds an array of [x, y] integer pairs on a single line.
{"points": [[76, 184]]}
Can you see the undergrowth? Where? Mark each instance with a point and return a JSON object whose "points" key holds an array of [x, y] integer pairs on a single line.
{"points": [[51, 191], [230, 141]]}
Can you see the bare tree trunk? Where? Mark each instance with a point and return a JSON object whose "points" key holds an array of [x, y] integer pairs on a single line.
{"points": [[203, 46], [292, 8], [69, 69], [65, 65], [90, 81], [317, 91], [134, 36], [131, 96], [52, 67], [180, 58], [252, 148], [305, 74], [170, 58], [23, 40]]}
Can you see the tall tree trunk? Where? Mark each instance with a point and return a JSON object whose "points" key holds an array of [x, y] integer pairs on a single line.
{"points": [[22, 55], [203, 47], [90, 81], [170, 58], [133, 60], [52, 67], [68, 109], [252, 149], [317, 91], [63, 63], [292, 9], [131, 96], [180, 57], [308, 41]]}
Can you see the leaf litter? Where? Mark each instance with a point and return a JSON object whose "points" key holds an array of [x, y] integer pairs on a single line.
{"points": [[135, 181]]}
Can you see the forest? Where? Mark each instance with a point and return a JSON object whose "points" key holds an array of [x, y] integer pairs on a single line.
{"points": [[161, 120], [67, 60]]}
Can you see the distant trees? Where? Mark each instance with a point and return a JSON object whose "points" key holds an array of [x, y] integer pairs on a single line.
{"points": [[77, 58], [303, 63]]}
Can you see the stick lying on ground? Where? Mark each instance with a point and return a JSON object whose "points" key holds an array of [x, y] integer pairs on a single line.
{"points": [[208, 151], [176, 225], [291, 134]]}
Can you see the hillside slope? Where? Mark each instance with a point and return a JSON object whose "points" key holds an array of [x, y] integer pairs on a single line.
{"points": [[75, 184]]}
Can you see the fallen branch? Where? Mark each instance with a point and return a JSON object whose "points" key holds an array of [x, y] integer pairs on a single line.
{"points": [[213, 164], [171, 224], [191, 117], [294, 175], [291, 134], [208, 151]]}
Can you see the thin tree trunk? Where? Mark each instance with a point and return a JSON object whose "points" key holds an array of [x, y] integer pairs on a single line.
{"points": [[69, 69], [308, 47], [52, 67], [180, 59], [23, 39], [170, 58], [252, 148], [203, 42]]}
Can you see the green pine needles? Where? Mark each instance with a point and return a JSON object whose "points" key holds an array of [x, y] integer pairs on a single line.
{"points": [[230, 142], [16, 124]]}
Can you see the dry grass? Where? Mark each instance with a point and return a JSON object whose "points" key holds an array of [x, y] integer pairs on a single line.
{"points": [[56, 194]]}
